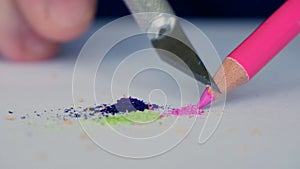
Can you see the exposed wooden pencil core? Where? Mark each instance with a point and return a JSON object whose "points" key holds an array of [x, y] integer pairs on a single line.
{"points": [[229, 76]]}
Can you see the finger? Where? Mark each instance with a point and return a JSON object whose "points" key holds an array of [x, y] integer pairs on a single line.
{"points": [[18, 41], [58, 20]]}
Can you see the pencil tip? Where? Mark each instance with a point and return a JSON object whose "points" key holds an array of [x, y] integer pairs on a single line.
{"points": [[206, 98]]}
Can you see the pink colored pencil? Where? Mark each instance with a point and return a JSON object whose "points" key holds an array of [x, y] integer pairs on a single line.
{"points": [[256, 51]]}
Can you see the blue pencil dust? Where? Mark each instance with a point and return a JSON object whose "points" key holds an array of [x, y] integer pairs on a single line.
{"points": [[126, 105], [123, 105]]}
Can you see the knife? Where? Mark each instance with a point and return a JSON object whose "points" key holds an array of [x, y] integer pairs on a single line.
{"points": [[158, 20]]}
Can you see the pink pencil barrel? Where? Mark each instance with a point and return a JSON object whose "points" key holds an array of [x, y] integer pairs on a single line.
{"points": [[269, 38]]}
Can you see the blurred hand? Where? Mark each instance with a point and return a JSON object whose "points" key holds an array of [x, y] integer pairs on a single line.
{"points": [[33, 29]]}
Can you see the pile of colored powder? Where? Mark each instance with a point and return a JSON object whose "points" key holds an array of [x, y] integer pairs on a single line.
{"points": [[126, 105], [127, 110]]}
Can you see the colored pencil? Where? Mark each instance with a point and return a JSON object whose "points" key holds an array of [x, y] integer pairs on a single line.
{"points": [[256, 51]]}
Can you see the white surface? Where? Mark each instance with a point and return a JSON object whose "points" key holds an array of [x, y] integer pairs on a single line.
{"points": [[259, 128]]}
